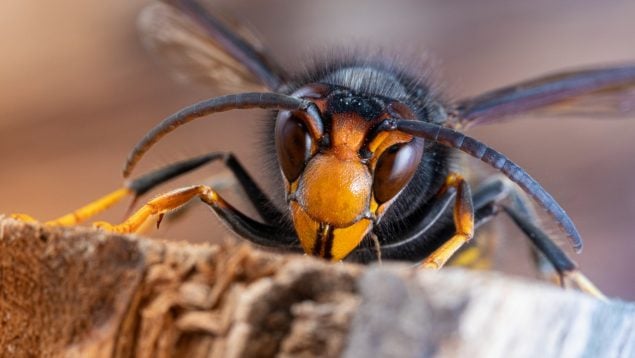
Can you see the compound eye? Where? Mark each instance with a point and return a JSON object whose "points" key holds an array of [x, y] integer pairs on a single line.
{"points": [[395, 167], [293, 144]]}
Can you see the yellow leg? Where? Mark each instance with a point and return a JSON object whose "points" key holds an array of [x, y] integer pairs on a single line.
{"points": [[463, 221], [82, 214], [133, 188], [161, 205]]}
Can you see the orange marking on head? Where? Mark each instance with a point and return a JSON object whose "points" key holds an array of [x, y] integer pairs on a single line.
{"points": [[342, 242], [377, 141], [345, 240], [386, 142], [348, 131], [334, 191], [305, 227]]}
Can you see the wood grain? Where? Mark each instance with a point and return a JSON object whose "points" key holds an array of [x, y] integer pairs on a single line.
{"points": [[82, 292]]}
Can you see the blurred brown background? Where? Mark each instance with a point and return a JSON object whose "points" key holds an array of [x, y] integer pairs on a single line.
{"points": [[77, 90]]}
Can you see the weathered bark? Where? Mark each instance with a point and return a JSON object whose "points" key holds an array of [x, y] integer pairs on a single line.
{"points": [[81, 292]]}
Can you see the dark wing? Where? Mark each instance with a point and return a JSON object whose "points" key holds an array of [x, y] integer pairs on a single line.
{"points": [[201, 47], [600, 93]]}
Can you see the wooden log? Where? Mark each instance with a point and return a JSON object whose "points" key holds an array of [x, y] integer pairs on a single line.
{"points": [[82, 292]]}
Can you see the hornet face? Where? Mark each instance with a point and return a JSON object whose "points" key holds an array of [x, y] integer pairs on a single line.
{"points": [[341, 175]]}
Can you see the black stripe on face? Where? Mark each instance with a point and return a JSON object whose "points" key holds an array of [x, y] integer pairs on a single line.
{"points": [[328, 243], [324, 241], [319, 238]]}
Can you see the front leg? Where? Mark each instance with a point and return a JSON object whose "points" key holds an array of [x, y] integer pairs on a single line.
{"points": [[133, 188], [463, 222], [254, 231]]}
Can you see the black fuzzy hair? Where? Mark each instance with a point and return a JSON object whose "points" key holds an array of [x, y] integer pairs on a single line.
{"points": [[413, 74]]}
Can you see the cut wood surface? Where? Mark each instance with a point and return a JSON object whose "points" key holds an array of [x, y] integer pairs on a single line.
{"points": [[82, 292]]}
